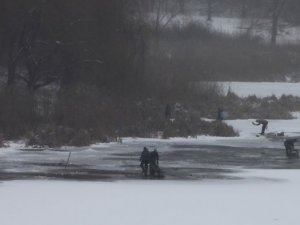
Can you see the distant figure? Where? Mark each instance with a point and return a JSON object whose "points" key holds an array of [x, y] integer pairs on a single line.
{"points": [[177, 108], [289, 145], [262, 122], [144, 159], [168, 112], [222, 115], [154, 162]]}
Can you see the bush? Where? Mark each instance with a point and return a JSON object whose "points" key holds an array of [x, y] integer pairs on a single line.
{"points": [[50, 136], [222, 129], [185, 128], [193, 52], [267, 107], [17, 114], [34, 140], [2, 144], [81, 138]]}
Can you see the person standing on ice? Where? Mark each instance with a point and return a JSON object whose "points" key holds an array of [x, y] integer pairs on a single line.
{"points": [[262, 122], [144, 159], [220, 116], [154, 159]]}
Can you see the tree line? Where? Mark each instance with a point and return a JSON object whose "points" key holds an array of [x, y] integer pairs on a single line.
{"points": [[63, 42], [100, 68], [270, 15], [100, 42]]}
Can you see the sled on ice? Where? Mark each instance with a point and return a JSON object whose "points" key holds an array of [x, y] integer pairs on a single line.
{"points": [[273, 136]]}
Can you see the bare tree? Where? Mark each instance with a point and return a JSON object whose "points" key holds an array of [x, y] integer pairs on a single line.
{"points": [[163, 14], [30, 57], [181, 5], [13, 37], [14, 54], [277, 8], [209, 10]]}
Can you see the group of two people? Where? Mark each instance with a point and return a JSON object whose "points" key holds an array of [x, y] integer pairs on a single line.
{"points": [[150, 158]]}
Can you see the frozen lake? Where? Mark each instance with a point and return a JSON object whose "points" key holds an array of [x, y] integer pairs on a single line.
{"points": [[208, 180], [180, 158], [263, 197], [189, 159]]}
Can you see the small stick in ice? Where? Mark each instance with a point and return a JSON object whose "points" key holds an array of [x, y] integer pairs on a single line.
{"points": [[68, 160]]}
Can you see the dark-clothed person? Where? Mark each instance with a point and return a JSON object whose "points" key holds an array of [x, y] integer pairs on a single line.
{"points": [[144, 159], [289, 145], [262, 122], [220, 111], [154, 161]]}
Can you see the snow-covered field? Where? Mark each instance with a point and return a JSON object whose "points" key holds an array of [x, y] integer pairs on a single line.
{"points": [[261, 89], [264, 197], [250, 197]]}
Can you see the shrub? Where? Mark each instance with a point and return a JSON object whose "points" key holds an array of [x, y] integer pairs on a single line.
{"points": [[2, 144], [50, 136], [34, 140], [81, 138], [222, 129], [184, 128]]}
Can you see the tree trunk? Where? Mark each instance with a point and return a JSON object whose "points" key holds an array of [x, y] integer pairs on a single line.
{"points": [[243, 10], [209, 10], [278, 6], [11, 74], [274, 29], [181, 6], [11, 66]]}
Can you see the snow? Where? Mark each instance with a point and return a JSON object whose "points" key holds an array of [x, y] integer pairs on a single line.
{"points": [[261, 89], [263, 197], [247, 130]]}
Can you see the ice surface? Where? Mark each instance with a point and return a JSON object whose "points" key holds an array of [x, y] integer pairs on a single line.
{"points": [[263, 197]]}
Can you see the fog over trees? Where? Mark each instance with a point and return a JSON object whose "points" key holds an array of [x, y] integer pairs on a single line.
{"points": [[81, 71]]}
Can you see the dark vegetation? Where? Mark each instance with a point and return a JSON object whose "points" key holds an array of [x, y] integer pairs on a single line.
{"points": [[73, 73], [197, 53]]}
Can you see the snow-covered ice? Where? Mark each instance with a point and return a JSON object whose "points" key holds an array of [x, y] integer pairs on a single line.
{"points": [[263, 197]]}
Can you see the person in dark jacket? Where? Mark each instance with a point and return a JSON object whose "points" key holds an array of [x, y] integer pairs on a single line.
{"points": [[262, 122], [144, 159], [289, 145], [154, 162], [219, 116]]}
